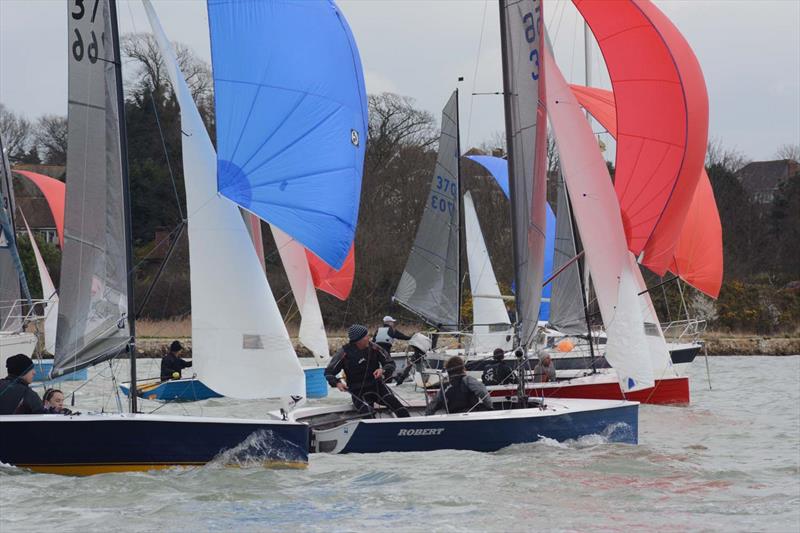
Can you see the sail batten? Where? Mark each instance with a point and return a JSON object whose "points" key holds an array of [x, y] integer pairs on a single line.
{"points": [[93, 308], [429, 285]]}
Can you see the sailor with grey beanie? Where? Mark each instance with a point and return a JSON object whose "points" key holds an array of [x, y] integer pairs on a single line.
{"points": [[365, 366]]}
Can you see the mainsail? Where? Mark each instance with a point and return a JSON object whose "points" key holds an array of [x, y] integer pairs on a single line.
{"points": [[521, 35], [492, 328], [429, 285], [11, 276], [599, 222], [240, 345], [291, 118], [567, 313], [93, 311]]}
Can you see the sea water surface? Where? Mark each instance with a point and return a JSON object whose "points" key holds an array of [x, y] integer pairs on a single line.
{"points": [[728, 462]]}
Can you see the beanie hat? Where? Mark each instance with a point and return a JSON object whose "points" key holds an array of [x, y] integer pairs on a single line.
{"points": [[175, 346], [499, 354], [356, 332], [19, 365]]}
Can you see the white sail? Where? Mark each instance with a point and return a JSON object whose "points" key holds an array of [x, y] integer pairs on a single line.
{"points": [[492, 327], [599, 221], [240, 345], [312, 329], [48, 293], [656, 343]]}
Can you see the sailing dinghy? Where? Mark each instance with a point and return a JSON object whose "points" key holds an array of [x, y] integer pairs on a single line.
{"points": [[340, 429], [95, 321]]}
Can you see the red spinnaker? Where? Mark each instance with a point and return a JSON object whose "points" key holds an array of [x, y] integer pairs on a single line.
{"points": [[337, 283], [698, 254], [53, 191], [661, 118]]}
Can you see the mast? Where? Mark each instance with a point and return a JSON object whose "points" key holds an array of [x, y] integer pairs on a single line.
{"points": [[126, 202], [509, 157], [460, 205]]}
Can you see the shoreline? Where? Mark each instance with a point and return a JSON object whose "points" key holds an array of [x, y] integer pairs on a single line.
{"points": [[717, 346]]}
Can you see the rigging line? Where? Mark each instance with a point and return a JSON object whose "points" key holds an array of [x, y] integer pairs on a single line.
{"points": [[475, 72], [166, 155]]}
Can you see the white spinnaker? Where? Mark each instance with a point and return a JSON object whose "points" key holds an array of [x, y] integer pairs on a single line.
{"points": [[48, 293], [599, 220], [312, 329], [488, 310], [240, 346]]}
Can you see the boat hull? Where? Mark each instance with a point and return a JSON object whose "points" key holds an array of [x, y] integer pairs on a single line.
{"points": [[91, 444], [482, 431], [668, 391], [174, 390]]}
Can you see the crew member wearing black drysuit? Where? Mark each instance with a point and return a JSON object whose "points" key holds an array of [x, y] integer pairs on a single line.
{"points": [[463, 393], [16, 398], [499, 372], [365, 366], [387, 334], [172, 363]]}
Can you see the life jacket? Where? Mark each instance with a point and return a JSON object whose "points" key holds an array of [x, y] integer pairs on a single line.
{"points": [[382, 336], [459, 397], [359, 366]]}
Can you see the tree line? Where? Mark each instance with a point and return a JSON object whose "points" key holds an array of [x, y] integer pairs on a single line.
{"points": [[760, 256]]}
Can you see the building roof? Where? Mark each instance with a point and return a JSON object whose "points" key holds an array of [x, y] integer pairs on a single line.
{"points": [[764, 176], [30, 200]]}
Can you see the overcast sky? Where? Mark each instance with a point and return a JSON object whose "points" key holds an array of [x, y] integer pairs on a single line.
{"points": [[749, 53]]}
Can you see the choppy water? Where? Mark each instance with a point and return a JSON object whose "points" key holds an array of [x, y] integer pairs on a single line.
{"points": [[729, 462]]}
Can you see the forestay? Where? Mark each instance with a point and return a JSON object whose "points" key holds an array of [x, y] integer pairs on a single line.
{"points": [[492, 328], [93, 309], [429, 285], [599, 222], [526, 135], [240, 345], [291, 117]]}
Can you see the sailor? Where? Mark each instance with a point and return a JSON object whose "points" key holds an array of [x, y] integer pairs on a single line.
{"points": [[54, 402], [16, 398], [463, 394], [365, 365], [499, 372], [172, 364], [545, 371], [387, 334]]}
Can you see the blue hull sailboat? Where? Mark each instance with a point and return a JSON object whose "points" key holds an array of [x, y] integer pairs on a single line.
{"points": [[433, 292]]}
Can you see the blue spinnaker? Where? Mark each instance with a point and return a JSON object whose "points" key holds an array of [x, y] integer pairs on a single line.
{"points": [[498, 168], [291, 112]]}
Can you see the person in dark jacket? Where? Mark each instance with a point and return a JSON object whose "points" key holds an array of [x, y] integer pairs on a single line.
{"points": [[16, 398], [365, 366], [499, 372], [387, 334], [172, 364], [463, 394]]}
